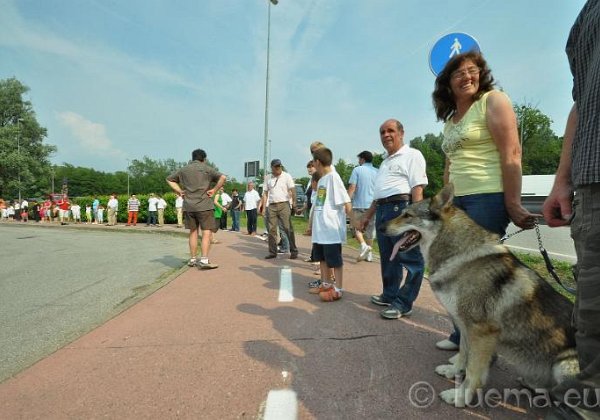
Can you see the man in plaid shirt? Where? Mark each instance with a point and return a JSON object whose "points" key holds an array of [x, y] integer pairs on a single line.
{"points": [[575, 199]]}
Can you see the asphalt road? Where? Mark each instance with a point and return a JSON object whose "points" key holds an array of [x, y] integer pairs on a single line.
{"points": [[58, 283], [557, 241]]}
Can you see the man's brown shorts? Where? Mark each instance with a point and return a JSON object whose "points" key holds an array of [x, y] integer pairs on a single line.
{"points": [[203, 219]]}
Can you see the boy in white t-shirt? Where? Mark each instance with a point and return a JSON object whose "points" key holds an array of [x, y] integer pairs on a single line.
{"points": [[330, 207]]}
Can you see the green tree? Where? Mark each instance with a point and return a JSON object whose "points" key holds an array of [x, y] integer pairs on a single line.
{"points": [[87, 181], [431, 148], [377, 159], [148, 175], [540, 146], [24, 158], [303, 181], [344, 169]]}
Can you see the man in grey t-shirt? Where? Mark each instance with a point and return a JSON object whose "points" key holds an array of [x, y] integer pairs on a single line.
{"points": [[194, 182]]}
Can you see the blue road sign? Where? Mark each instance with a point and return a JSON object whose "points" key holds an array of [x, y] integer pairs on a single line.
{"points": [[447, 47]]}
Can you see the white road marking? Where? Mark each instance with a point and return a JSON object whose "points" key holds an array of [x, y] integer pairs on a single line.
{"points": [[286, 289], [281, 405], [556, 255]]}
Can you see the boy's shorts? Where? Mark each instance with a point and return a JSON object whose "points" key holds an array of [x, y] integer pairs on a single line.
{"points": [[205, 220], [330, 253]]}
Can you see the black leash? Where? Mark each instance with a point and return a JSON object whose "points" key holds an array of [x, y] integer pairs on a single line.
{"points": [[547, 260]]}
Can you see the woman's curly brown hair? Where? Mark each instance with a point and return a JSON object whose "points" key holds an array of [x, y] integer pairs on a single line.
{"points": [[443, 99]]}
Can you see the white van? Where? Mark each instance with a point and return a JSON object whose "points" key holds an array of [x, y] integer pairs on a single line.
{"points": [[534, 191]]}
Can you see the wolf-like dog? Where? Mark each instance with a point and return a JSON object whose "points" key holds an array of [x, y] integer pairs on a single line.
{"points": [[499, 304]]}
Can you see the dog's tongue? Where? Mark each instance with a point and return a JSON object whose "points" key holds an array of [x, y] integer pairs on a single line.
{"points": [[406, 237], [396, 248]]}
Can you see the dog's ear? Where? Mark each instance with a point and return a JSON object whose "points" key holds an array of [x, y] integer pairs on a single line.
{"points": [[447, 194], [443, 199]]}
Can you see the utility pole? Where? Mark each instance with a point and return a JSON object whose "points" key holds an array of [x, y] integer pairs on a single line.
{"points": [[266, 139]]}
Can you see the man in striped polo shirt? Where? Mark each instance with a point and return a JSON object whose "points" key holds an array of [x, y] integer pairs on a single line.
{"points": [[133, 207]]}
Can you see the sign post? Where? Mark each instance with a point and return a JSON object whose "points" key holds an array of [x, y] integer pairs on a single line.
{"points": [[251, 169], [447, 47]]}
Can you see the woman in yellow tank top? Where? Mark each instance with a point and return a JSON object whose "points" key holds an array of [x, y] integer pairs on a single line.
{"points": [[481, 143]]}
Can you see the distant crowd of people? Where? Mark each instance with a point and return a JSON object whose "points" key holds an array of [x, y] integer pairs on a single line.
{"points": [[39, 211], [64, 211]]}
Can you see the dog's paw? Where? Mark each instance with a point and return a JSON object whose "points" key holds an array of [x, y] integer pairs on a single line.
{"points": [[448, 371], [459, 397], [451, 396]]}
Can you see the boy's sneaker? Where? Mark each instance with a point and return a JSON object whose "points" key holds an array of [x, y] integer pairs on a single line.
{"points": [[364, 251], [330, 295], [370, 256], [192, 262], [315, 283], [320, 288], [206, 265]]}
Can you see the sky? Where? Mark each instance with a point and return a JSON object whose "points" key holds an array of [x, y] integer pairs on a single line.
{"points": [[117, 80]]}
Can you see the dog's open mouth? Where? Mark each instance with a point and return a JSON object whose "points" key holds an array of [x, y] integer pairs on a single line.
{"points": [[406, 241]]}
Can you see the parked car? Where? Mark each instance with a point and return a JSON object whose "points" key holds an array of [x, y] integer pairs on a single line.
{"points": [[534, 191], [300, 197]]}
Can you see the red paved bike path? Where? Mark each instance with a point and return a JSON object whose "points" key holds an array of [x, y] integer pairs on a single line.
{"points": [[214, 344]]}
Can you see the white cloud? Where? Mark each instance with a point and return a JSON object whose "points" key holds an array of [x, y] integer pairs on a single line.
{"points": [[20, 34], [91, 136]]}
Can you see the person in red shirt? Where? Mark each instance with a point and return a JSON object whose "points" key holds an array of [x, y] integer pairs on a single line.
{"points": [[63, 208]]}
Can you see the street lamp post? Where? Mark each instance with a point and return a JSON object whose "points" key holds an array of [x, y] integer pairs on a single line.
{"points": [[266, 139], [19, 121]]}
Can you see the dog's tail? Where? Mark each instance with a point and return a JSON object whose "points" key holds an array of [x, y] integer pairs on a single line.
{"points": [[565, 366]]}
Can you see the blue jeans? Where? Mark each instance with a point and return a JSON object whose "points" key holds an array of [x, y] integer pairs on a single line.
{"points": [[251, 216], [401, 298], [489, 212], [235, 220]]}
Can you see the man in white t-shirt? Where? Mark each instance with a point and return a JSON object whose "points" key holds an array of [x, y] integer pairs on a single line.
{"points": [[160, 208], [280, 196], [179, 210], [251, 203], [225, 202], [400, 181], [152, 210], [113, 207]]}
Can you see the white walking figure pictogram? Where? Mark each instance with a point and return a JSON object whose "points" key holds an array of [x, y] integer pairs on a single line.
{"points": [[455, 48]]}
